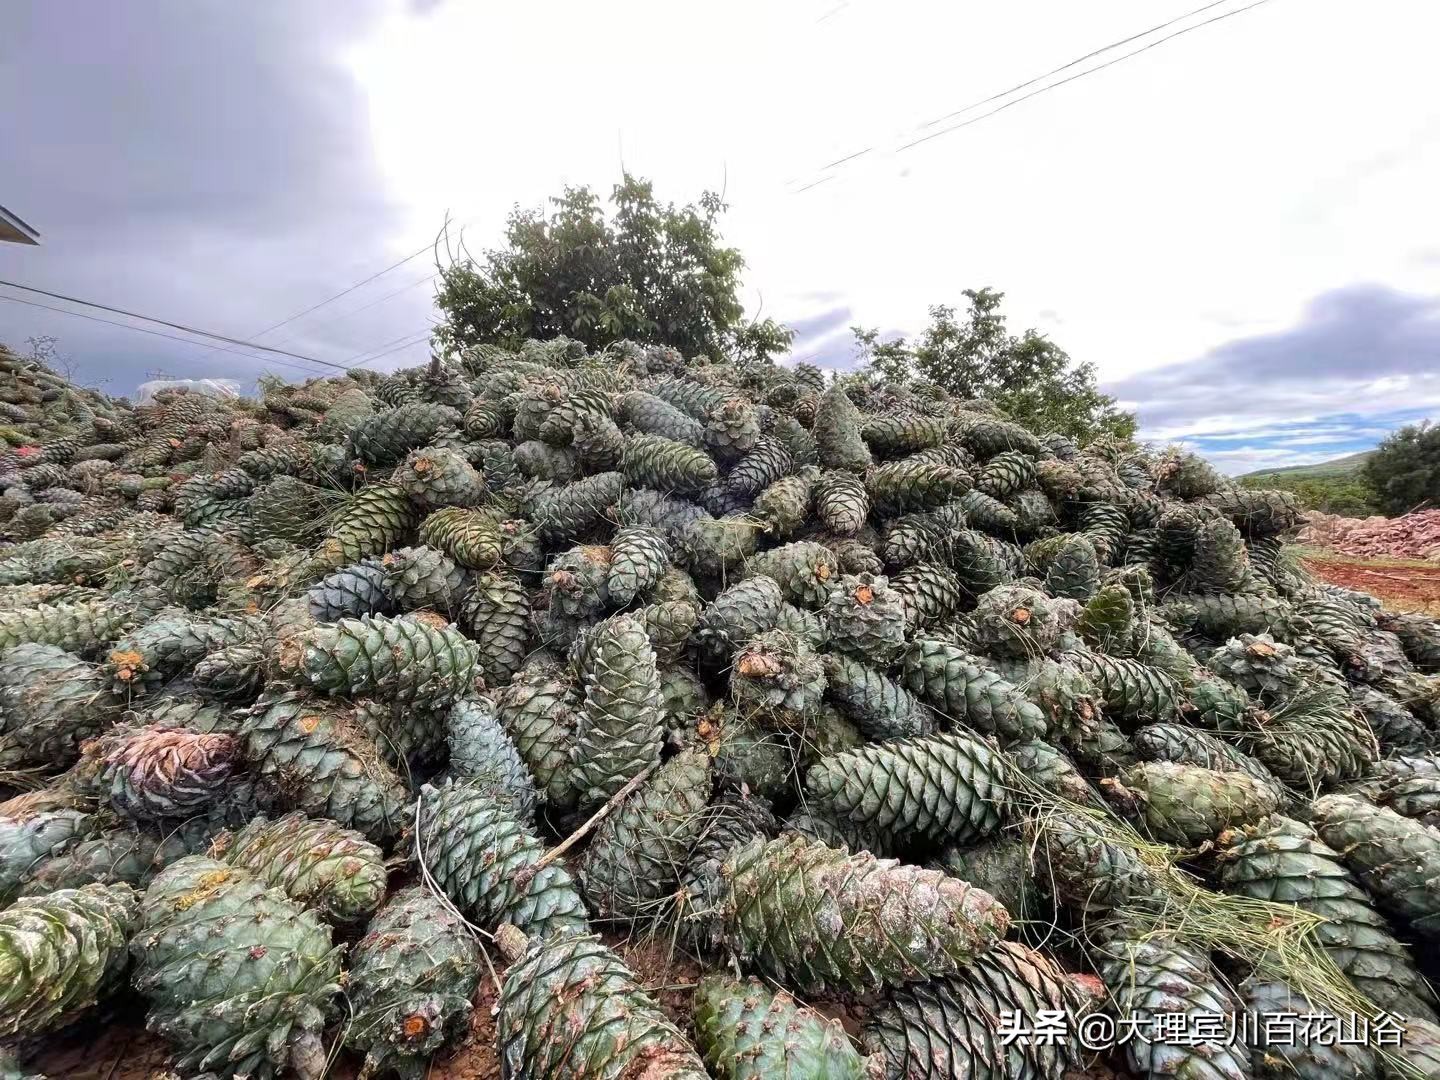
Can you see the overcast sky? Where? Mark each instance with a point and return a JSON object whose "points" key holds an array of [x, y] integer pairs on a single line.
{"points": [[1238, 227]]}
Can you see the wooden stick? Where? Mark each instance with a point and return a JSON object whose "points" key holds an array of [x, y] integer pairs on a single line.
{"points": [[527, 874]]}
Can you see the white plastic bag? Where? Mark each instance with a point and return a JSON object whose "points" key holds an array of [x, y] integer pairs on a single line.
{"points": [[220, 388]]}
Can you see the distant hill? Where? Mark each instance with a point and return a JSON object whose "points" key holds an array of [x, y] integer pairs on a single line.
{"points": [[1348, 465]]}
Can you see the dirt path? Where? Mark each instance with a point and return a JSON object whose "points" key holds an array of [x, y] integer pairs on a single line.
{"points": [[1403, 586]]}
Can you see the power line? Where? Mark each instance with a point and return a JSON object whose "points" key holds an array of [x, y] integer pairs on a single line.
{"points": [[363, 307], [1072, 63], [146, 330], [365, 357], [1081, 74], [1048, 86], [166, 322], [413, 340]]}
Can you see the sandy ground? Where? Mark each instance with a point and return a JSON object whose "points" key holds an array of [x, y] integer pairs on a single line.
{"points": [[1403, 585]]}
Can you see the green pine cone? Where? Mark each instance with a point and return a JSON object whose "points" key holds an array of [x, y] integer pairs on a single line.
{"points": [[784, 506], [619, 730], [1191, 746], [416, 659], [375, 519], [951, 1027], [540, 711], [816, 918], [387, 436], [496, 611], [423, 577], [747, 757], [482, 753], [1006, 473], [880, 707], [315, 862], [1105, 526], [652, 461], [50, 703], [309, 754], [763, 464], [982, 562], [470, 537], [1221, 563], [436, 476], [83, 627], [1187, 805], [1068, 564], [651, 415], [748, 1031], [641, 506], [170, 645], [289, 509], [482, 856], [841, 502], [1396, 858], [1317, 740], [26, 842], [159, 773], [732, 429], [234, 674], [987, 436], [897, 436], [1107, 622], [121, 856], [1132, 692], [573, 984], [743, 610], [485, 419], [59, 954], [1053, 771], [1003, 866], [1087, 870], [1154, 976], [240, 978], [805, 625], [931, 594], [1021, 622], [951, 789], [406, 737], [1306, 1054], [410, 982], [805, 571], [638, 853], [956, 684], [837, 431], [349, 592], [778, 680], [1408, 785], [1419, 636], [990, 515], [900, 487], [638, 557], [569, 512], [866, 618], [1258, 513], [1286, 862], [668, 625], [1219, 616]]}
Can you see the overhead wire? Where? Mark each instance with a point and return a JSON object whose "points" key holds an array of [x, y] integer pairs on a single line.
{"points": [[825, 174], [197, 332], [145, 330]]}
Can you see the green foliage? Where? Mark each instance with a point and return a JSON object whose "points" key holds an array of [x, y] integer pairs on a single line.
{"points": [[1029, 376], [1348, 495], [650, 272], [1405, 469]]}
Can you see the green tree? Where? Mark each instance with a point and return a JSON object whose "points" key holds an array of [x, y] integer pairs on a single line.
{"points": [[1350, 495], [647, 271], [1405, 469], [1028, 375]]}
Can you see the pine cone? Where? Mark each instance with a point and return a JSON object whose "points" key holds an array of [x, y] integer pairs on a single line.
{"points": [[240, 978], [572, 983], [315, 862], [475, 848], [59, 954], [810, 916], [749, 1032], [946, 788], [410, 982]]}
